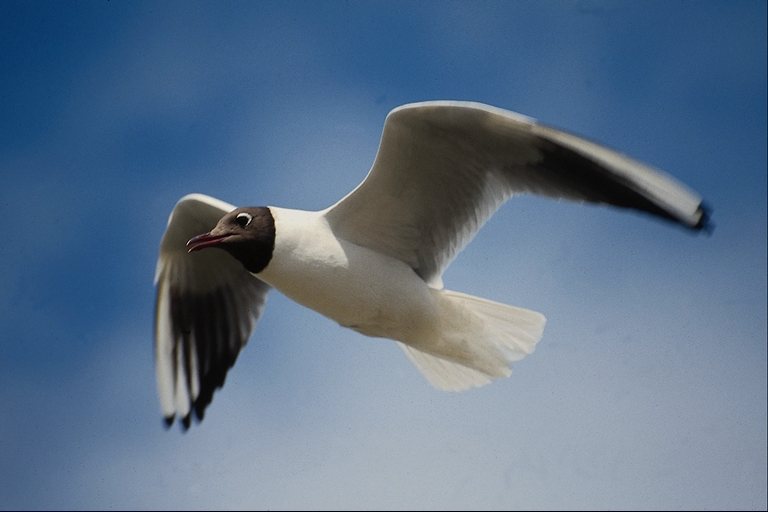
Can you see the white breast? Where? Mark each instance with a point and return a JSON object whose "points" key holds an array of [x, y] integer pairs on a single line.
{"points": [[357, 287]]}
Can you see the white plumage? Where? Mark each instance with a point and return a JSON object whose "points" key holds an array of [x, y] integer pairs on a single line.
{"points": [[374, 261]]}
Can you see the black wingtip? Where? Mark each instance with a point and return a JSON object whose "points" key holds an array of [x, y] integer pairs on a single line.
{"points": [[197, 413], [185, 422], [199, 408], [705, 223]]}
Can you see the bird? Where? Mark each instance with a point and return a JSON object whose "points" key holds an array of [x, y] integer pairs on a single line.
{"points": [[373, 261]]}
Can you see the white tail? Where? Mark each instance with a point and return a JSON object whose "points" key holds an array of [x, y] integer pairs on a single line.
{"points": [[475, 342]]}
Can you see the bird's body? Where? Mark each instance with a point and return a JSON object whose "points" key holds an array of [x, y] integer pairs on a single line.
{"points": [[357, 287], [373, 262], [378, 295]]}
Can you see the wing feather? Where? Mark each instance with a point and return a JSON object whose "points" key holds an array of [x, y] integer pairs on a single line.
{"points": [[443, 168], [206, 308]]}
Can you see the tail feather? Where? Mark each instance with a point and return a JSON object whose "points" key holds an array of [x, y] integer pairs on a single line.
{"points": [[445, 374], [475, 342]]}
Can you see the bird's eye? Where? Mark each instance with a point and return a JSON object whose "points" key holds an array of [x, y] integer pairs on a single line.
{"points": [[243, 219]]}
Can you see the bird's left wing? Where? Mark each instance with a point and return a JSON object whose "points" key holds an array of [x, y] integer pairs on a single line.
{"points": [[207, 305], [444, 167]]}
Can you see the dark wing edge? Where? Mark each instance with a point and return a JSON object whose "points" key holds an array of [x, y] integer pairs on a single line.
{"points": [[206, 307], [603, 175]]}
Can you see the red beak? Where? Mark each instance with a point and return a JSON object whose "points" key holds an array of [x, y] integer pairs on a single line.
{"points": [[203, 241]]}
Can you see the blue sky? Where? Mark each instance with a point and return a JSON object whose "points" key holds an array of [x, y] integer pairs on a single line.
{"points": [[648, 389]]}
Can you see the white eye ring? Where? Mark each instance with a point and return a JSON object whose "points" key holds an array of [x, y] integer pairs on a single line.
{"points": [[243, 219]]}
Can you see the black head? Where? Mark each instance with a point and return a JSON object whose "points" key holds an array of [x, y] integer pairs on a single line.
{"points": [[248, 234]]}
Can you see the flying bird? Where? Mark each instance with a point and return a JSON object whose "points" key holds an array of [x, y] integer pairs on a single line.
{"points": [[373, 261]]}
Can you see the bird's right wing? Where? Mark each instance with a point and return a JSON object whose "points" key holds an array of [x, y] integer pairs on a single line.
{"points": [[207, 305]]}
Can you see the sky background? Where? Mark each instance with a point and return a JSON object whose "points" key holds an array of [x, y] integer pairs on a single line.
{"points": [[648, 389]]}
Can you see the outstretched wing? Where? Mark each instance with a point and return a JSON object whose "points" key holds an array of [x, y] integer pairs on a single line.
{"points": [[443, 168], [207, 305]]}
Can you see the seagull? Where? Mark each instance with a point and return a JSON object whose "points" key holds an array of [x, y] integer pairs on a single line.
{"points": [[373, 261]]}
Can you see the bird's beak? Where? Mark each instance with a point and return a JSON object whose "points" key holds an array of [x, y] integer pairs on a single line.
{"points": [[203, 241]]}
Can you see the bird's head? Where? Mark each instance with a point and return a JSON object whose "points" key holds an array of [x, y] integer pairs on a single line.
{"points": [[248, 234]]}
